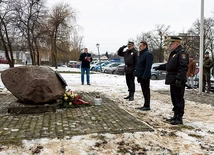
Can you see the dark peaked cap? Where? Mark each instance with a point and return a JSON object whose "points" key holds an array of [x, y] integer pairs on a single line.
{"points": [[130, 43], [175, 39]]}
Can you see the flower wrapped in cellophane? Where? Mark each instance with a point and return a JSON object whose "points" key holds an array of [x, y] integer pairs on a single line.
{"points": [[71, 99]]}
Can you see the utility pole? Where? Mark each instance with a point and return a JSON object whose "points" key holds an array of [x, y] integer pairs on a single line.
{"points": [[201, 48]]}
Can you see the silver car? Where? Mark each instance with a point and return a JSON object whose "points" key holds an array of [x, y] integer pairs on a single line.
{"points": [[111, 68], [157, 74]]}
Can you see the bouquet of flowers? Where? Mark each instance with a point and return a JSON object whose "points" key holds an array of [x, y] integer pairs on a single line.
{"points": [[71, 99]]}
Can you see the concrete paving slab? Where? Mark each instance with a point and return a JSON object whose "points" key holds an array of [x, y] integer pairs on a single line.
{"points": [[105, 118]]}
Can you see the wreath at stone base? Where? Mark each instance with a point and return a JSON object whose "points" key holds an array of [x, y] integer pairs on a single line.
{"points": [[72, 100]]}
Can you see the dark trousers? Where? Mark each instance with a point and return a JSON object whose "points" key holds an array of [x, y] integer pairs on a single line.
{"points": [[145, 83], [130, 82], [206, 78], [177, 97]]}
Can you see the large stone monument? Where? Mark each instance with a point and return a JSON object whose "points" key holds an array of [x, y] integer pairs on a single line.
{"points": [[33, 84]]}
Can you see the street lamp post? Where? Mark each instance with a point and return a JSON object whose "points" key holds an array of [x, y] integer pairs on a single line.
{"points": [[98, 45], [201, 48], [161, 53]]}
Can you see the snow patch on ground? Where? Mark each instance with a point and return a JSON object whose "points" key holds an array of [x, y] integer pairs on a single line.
{"points": [[196, 136]]}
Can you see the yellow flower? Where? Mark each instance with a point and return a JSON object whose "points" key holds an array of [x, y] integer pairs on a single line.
{"points": [[65, 98], [75, 95], [70, 103], [65, 95]]}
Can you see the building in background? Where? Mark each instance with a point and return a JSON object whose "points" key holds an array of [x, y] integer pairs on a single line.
{"points": [[20, 57]]}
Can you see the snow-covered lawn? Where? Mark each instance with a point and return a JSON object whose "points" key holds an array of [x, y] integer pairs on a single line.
{"points": [[196, 136]]}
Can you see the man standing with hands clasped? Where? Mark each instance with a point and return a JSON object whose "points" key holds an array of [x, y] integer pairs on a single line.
{"points": [[143, 73], [176, 67], [130, 58]]}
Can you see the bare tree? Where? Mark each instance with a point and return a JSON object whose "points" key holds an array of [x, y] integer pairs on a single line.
{"points": [[161, 31], [208, 33], [6, 29], [155, 40], [60, 27], [191, 43], [29, 16], [76, 45]]}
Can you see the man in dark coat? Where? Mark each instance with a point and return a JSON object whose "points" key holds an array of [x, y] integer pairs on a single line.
{"points": [[143, 73], [207, 65], [176, 67], [85, 58], [130, 58]]}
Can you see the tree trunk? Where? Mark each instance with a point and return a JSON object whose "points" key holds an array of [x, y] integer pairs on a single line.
{"points": [[8, 52]]}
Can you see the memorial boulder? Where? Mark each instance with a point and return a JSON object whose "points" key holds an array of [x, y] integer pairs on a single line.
{"points": [[33, 84]]}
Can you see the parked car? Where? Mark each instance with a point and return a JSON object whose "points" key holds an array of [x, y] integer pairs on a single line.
{"points": [[59, 64], [157, 74], [2, 61], [120, 69], [92, 64], [108, 65], [97, 68], [111, 68], [97, 64], [72, 63], [77, 65]]}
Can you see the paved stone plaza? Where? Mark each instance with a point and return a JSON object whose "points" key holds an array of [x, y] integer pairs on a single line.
{"points": [[106, 118]]}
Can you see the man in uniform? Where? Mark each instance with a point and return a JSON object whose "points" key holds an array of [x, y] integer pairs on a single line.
{"points": [[130, 57], [176, 67], [207, 65]]}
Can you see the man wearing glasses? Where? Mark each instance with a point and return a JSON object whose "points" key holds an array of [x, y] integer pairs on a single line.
{"points": [[176, 67]]}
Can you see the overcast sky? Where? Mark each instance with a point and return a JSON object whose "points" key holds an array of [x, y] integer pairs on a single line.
{"points": [[112, 22]]}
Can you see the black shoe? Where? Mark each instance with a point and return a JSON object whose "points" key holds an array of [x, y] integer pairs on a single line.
{"points": [[88, 84], [131, 94], [171, 119], [176, 122], [82, 84], [189, 87], [127, 97], [144, 108], [131, 98]]}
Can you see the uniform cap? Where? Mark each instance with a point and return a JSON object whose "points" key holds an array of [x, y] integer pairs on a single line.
{"points": [[175, 39], [130, 43], [207, 52]]}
